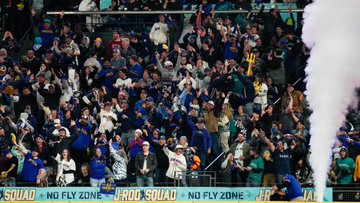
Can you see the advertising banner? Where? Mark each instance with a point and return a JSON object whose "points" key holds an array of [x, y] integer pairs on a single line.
{"points": [[185, 194]]}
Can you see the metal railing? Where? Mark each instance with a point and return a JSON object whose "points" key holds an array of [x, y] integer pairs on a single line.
{"points": [[163, 12], [196, 179], [92, 14]]}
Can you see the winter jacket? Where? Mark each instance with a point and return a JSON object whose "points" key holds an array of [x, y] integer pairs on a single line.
{"points": [[151, 163]]}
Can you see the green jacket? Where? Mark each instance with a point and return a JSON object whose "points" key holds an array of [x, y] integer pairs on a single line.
{"points": [[238, 87], [345, 168], [257, 169]]}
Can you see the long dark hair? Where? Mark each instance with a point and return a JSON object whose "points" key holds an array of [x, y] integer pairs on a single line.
{"points": [[68, 156]]}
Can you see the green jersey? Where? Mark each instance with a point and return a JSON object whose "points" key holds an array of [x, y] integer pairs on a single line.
{"points": [[257, 169], [345, 169]]}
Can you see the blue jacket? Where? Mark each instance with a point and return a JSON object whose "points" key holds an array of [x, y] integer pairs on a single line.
{"points": [[138, 70], [205, 133], [107, 81]]}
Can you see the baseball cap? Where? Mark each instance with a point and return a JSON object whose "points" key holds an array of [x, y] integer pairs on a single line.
{"points": [[162, 137], [132, 34], [150, 99], [6, 151], [207, 70], [67, 24], [211, 102], [200, 121], [344, 129], [37, 40], [178, 147], [146, 143], [193, 36], [22, 126], [343, 149], [138, 131], [47, 20], [168, 63]]}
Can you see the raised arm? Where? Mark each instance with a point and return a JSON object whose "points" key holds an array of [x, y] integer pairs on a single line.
{"points": [[190, 123], [21, 147], [167, 151], [114, 153], [159, 65], [178, 60], [268, 143]]}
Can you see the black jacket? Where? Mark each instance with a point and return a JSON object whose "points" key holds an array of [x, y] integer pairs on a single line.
{"points": [[151, 163], [162, 159]]}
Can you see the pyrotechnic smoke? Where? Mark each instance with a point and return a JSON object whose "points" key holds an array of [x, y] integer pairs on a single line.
{"points": [[332, 31]]}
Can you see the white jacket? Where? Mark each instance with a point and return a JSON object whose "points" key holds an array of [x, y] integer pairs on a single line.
{"points": [[65, 166], [121, 84], [177, 164], [262, 97], [105, 122]]}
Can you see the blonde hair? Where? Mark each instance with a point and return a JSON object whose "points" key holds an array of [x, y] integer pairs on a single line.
{"points": [[227, 111]]}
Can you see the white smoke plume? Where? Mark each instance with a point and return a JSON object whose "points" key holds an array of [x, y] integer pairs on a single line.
{"points": [[332, 31]]}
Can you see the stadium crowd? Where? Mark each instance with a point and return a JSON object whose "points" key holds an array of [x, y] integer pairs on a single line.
{"points": [[151, 107]]}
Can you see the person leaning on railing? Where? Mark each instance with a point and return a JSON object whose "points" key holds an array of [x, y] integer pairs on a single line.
{"points": [[66, 169], [33, 171], [344, 168], [97, 169], [120, 165], [177, 163], [145, 164]]}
